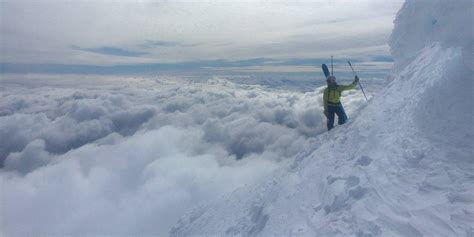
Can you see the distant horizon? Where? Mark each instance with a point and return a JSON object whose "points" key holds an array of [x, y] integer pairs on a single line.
{"points": [[300, 68]]}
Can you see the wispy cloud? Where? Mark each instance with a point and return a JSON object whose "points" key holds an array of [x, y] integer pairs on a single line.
{"points": [[112, 51], [383, 58], [159, 43]]}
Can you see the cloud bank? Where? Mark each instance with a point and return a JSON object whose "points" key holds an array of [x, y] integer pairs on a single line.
{"points": [[130, 155]]}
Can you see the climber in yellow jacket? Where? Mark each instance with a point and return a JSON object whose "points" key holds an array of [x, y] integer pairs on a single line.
{"points": [[332, 103]]}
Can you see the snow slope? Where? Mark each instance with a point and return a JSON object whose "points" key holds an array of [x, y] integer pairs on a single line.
{"points": [[404, 167]]}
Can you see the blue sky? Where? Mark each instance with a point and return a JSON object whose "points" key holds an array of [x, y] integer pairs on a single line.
{"points": [[186, 36]]}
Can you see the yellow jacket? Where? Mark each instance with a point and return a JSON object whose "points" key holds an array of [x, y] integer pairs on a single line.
{"points": [[332, 95]]}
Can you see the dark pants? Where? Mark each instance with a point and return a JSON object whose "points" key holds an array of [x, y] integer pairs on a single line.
{"points": [[341, 115]]}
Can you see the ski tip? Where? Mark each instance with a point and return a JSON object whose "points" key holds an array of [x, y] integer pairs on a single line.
{"points": [[325, 70]]}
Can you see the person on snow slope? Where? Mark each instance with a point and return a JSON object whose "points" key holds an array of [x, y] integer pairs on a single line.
{"points": [[332, 100]]}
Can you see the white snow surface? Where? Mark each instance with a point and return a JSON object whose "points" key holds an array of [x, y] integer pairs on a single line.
{"points": [[403, 167]]}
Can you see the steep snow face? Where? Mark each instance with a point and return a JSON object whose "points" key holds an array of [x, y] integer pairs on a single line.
{"points": [[419, 23], [402, 168], [446, 113]]}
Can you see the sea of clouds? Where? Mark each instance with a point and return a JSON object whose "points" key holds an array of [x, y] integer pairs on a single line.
{"points": [[114, 155]]}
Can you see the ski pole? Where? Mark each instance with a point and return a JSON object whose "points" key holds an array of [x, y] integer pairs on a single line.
{"points": [[359, 81], [332, 68]]}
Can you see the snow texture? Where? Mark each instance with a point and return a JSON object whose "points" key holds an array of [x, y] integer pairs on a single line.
{"points": [[404, 167]]}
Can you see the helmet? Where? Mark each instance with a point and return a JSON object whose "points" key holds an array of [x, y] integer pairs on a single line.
{"points": [[331, 79]]}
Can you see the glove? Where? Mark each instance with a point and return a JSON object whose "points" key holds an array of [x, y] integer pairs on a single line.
{"points": [[326, 113], [356, 79]]}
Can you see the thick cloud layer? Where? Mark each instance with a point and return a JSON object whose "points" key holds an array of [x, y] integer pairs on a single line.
{"points": [[130, 155]]}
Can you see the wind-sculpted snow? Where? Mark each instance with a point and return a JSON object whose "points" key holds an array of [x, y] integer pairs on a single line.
{"points": [[397, 170], [402, 168], [128, 156], [420, 23]]}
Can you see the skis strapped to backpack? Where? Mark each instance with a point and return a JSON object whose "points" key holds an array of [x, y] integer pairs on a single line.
{"points": [[325, 70]]}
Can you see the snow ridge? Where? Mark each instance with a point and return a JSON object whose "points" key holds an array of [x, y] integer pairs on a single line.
{"points": [[403, 167], [381, 175]]}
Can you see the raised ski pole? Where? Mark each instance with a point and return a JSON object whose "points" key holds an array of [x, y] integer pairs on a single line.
{"points": [[332, 68], [359, 81]]}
